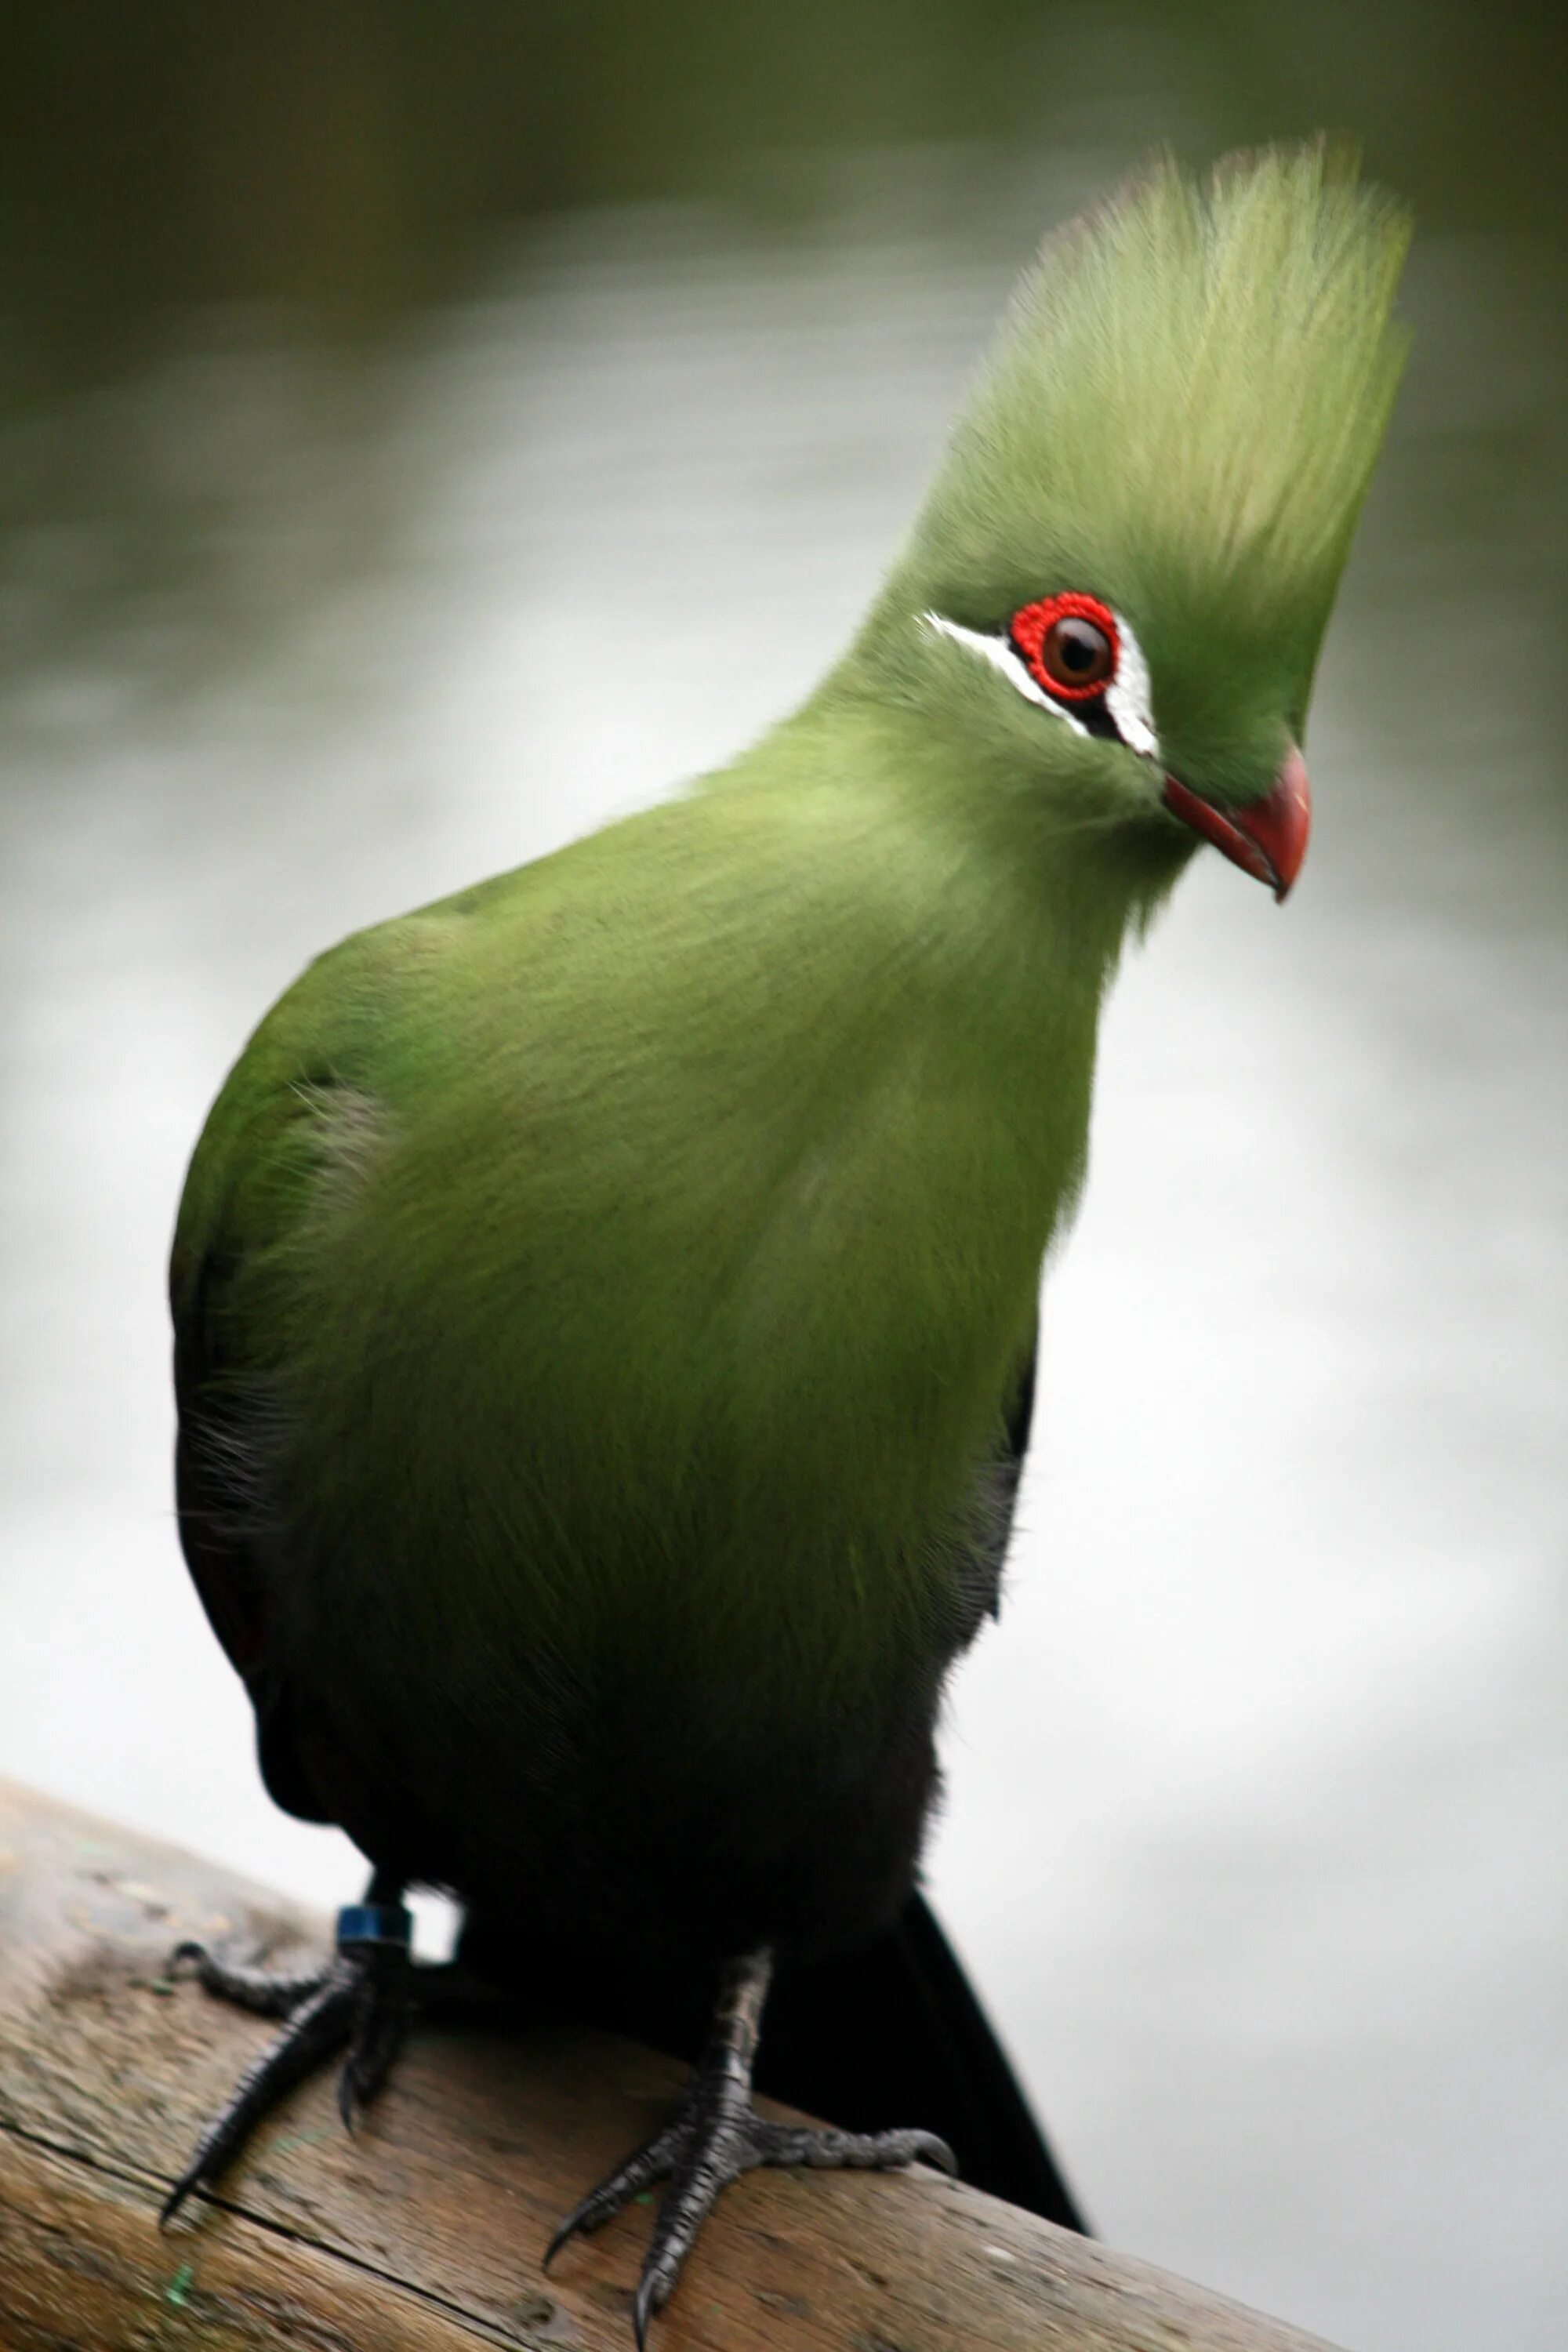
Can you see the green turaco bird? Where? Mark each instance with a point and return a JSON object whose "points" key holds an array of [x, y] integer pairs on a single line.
{"points": [[606, 1300]]}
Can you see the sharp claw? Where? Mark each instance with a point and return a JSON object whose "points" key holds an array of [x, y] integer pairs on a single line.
{"points": [[177, 2195], [648, 2301], [565, 2231], [591, 2214]]}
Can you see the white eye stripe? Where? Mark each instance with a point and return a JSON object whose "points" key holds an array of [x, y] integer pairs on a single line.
{"points": [[1000, 656], [1130, 696], [1127, 696]]}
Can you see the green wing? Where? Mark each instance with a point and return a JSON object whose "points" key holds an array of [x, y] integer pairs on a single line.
{"points": [[251, 1181]]}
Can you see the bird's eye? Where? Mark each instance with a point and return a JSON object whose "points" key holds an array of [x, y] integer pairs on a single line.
{"points": [[1069, 644], [1076, 653]]}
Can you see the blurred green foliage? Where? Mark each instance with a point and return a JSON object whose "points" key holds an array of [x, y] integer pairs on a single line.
{"points": [[354, 157], [216, 223]]}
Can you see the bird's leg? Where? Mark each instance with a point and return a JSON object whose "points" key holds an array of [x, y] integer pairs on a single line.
{"points": [[363, 1998], [716, 2135]]}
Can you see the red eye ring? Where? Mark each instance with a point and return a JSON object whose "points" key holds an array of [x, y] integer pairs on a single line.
{"points": [[1032, 624]]}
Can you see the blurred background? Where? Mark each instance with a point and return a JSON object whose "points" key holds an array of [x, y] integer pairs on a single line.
{"points": [[355, 360]]}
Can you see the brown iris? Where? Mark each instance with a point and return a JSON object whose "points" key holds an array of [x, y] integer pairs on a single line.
{"points": [[1075, 653], [1070, 643]]}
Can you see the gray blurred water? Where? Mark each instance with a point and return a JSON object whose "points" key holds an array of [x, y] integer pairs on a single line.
{"points": [[1257, 1796]]}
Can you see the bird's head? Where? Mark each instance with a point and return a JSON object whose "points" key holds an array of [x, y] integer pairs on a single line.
{"points": [[1115, 596]]}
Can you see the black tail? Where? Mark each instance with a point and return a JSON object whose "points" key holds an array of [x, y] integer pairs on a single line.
{"points": [[892, 2034]]}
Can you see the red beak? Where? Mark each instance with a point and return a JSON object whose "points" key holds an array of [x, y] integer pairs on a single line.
{"points": [[1267, 840]]}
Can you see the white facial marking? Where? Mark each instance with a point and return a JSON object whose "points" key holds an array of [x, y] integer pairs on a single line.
{"points": [[1128, 698], [1000, 656]]}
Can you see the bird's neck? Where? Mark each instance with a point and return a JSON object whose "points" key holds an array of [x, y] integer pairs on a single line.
{"points": [[1016, 921], [958, 957]]}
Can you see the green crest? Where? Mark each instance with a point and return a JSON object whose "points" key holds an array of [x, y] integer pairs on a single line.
{"points": [[1181, 415]]}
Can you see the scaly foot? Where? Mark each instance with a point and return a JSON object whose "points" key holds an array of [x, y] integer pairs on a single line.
{"points": [[362, 1999], [716, 2136]]}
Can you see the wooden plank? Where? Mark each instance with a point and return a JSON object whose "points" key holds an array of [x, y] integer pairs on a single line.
{"points": [[424, 2232]]}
